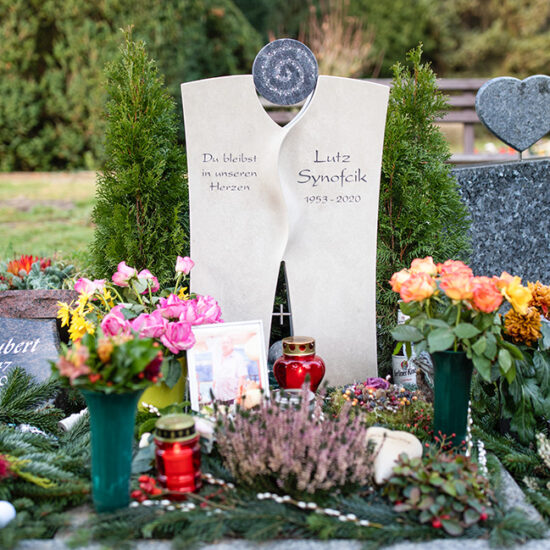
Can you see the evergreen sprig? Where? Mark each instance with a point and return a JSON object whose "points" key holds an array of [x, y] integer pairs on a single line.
{"points": [[141, 198], [24, 401]]}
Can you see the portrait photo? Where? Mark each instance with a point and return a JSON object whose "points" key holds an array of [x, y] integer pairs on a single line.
{"points": [[227, 362]]}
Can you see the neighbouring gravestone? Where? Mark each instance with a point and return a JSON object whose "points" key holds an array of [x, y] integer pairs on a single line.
{"points": [[509, 207], [29, 333], [305, 193], [509, 203], [516, 111], [27, 343]]}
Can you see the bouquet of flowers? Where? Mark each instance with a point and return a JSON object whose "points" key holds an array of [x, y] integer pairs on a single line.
{"points": [[450, 309], [132, 303], [109, 364]]}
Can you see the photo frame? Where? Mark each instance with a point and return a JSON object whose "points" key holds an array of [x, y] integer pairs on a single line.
{"points": [[227, 360]]}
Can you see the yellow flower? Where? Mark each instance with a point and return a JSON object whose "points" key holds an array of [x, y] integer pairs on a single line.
{"points": [[519, 296], [108, 298], [79, 327], [63, 313], [523, 328], [182, 294]]}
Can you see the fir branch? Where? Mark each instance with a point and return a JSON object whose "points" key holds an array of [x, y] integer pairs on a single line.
{"points": [[22, 401]]}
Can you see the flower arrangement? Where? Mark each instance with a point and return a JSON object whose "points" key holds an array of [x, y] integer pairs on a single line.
{"points": [[133, 303], [30, 272], [525, 401], [293, 449], [109, 364], [451, 309]]}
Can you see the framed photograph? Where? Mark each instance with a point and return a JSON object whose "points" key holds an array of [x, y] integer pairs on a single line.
{"points": [[227, 360]]}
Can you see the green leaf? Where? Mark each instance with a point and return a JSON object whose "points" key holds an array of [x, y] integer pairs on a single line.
{"points": [[470, 516], [437, 323], [491, 350], [406, 333], [545, 331], [171, 371], [483, 366], [480, 345], [504, 360], [466, 330], [541, 361], [440, 339], [449, 488], [452, 527]]}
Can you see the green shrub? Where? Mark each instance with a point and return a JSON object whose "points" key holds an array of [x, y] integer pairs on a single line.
{"points": [[52, 55], [141, 194], [420, 211]]}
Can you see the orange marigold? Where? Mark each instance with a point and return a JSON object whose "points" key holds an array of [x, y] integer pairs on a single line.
{"points": [[523, 329], [540, 297]]}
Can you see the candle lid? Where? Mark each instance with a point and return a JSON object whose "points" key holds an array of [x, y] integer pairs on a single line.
{"points": [[298, 345], [175, 427]]}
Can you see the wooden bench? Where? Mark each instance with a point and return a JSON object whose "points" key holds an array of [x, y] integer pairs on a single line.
{"points": [[461, 95]]}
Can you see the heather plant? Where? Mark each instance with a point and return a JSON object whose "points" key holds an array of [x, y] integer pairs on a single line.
{"points": [[294, 449], [441, 488]]}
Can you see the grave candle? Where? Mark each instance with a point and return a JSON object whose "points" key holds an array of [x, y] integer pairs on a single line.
{"points": [[298, 361], [177, 454]]}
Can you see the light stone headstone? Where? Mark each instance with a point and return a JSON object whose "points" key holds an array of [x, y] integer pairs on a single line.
{"points": [[306, 193]]}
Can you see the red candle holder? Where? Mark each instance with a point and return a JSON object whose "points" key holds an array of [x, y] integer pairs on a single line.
{"points": [[177, 455], [298, 361]]}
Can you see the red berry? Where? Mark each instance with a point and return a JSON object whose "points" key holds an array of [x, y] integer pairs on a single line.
{"points": [[136, 494], [483, 516], [436, 523], [143, 478]]}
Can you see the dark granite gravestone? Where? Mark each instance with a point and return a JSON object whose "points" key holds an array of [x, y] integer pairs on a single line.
{"points": [[510, 211], [516, 111], [28, 343]]}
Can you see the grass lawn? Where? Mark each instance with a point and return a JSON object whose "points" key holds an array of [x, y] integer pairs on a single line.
{"points": [[46, 214]]}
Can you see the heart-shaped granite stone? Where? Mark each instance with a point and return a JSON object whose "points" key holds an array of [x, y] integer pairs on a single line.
{"points": [[516, 111]]}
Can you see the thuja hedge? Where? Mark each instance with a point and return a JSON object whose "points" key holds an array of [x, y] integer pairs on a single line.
{"points": [[52, 56]]}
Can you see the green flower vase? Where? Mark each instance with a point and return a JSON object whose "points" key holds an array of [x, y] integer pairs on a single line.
{"points": [[452, 379], [112, 420]]}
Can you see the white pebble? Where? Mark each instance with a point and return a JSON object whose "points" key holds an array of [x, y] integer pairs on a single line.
{"points": [[312, 506], [301, 504], [134, 504], [191, 506], [170, 508], [147, 503], [165, 502], [351, 517], [364, 523]]}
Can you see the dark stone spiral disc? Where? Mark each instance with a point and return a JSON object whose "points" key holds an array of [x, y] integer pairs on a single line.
{"points": [[285, 71]]}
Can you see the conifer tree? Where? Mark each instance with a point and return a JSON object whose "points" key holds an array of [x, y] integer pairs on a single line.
{"points": [[420, 211], [141, 197]]}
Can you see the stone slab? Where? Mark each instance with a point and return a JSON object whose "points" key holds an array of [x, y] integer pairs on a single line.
{"points": [[28, 343], [306, 194], [509, 207], [33, 304], [516, 111]]}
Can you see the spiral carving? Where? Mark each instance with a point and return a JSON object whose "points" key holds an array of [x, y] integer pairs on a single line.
{"points": [[285, 71]]}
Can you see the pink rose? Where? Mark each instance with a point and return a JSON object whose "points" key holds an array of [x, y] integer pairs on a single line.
{"points": [[184, 265], [190, 314], [146, 276], [123, 274], [115, 323], [178, 337], [85, 286], [172, 307], [149, 325], [208, 310]]}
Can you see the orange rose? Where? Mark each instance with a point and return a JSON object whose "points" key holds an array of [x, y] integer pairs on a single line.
{"points": [[486, 296], [519, 296], [454, 266], [398, 278], [425, 265], [417, 287], [457, 285]]}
